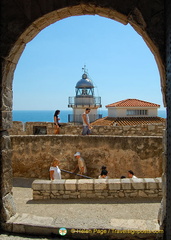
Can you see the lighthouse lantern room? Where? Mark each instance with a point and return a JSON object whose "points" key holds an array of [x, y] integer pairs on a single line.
{"points": [[83, 99]]}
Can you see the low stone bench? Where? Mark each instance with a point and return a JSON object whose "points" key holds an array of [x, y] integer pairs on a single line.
{"points": [[97, 188]]}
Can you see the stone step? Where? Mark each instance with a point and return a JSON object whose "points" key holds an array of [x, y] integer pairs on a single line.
{"points": [[48, 226]]}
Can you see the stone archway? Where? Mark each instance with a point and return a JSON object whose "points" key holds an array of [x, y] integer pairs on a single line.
{"points": [[23, 20]]}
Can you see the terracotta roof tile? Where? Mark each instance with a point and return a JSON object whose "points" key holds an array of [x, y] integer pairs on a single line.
{"points": [[132, 103], [127, 121]]}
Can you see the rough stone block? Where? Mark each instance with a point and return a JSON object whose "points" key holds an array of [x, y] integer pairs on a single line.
{"points": [[73, 196], [121, 194], [37, 197], [83, 195], [38, 184], [126, 183], [100, 184], [85, 184], [91, 195], [132, 194], [138, 183], [159, 182], [75, 193], [18, 228], [52, 196], [150, 183], [114, 184], [46, 197], [46, 186], [66, 196], [9, 208], [71, 184], [104, 194], [102, 197], [57, 185], [68, 192], [142, 193], [61, 192]]}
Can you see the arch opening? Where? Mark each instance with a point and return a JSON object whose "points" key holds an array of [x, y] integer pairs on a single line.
{"points": [[46, 20]]}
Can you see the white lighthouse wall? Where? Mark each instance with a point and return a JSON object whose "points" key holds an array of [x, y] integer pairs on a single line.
{"points": [[79, 111], [82, 110], [84, 100]]}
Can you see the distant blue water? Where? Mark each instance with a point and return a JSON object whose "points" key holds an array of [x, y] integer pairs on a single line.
{"points": [[47, 116]]}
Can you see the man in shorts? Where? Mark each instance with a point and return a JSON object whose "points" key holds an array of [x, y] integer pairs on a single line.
{"points": [[81, 164], [86, 122]]}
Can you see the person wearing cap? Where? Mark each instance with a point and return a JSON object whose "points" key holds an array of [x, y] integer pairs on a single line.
{"points": [[81, 164]]}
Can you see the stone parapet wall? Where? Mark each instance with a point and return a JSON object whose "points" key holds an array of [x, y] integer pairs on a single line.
{"points": [[32, 155], [40, 128], [97, 188]]}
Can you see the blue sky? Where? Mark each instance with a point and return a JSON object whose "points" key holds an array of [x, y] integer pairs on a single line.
{"points": [[117, 58]]}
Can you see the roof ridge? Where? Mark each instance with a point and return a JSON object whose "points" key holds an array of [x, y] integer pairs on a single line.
{"points": [[131, 102]]}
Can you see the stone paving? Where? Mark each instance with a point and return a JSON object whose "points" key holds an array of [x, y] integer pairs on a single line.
{"points": [[121, 214], [7, 236], [90, 213]]}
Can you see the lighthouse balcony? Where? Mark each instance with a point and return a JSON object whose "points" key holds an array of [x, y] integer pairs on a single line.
{"points": [[77, 118], [88, 101]]}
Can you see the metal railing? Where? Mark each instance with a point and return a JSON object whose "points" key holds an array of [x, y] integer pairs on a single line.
{"points": [[84, 101]]}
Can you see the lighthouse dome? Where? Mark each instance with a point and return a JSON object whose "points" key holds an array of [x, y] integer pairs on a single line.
{"points": [[84, 82]]}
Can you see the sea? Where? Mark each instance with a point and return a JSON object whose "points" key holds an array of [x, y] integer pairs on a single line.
{"points": [[47, 115]]}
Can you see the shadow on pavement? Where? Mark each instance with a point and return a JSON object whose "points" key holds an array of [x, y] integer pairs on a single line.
{"points": [[96, 201]]}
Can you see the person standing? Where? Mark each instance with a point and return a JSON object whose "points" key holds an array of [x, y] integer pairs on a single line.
{"points": [[56, 121], [103, 173], [131, 174], [81, 164], [86, 122], [55, 172]]}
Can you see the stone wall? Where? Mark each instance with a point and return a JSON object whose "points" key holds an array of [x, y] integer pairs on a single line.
{"points": [[97, 188], [32, 155], [33, 128]]}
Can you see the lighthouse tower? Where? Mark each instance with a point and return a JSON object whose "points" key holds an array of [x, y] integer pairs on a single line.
{"points": [[83, 99]]}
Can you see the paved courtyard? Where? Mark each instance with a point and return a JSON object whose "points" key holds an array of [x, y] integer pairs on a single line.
{"points": [[90, 213]]}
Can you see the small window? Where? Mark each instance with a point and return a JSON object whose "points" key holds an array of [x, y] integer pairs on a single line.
{"points": [[133, 112], [39, 130]]}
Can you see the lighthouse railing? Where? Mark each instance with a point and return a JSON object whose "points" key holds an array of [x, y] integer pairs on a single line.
{"points": [[84, 101]]}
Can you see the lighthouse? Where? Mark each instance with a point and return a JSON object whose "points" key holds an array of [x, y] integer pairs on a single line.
{"points": [[84, 98]]}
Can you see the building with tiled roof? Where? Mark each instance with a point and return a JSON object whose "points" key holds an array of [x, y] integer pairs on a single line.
{"points": [[127, 121], [132, 108], [130, 112]]}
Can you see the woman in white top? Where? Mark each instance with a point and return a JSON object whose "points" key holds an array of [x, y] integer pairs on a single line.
{"points": [[55, 172]]}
